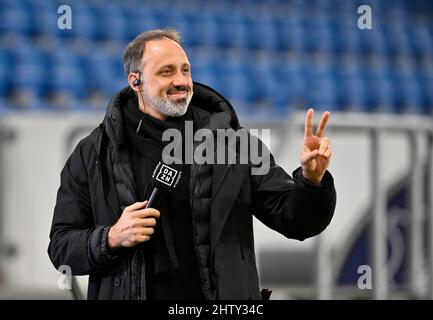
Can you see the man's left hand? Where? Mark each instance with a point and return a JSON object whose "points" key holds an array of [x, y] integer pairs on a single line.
{"points": [[316, 152]]}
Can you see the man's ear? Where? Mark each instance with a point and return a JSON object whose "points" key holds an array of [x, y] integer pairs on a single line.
{"points": [[134, 81]]}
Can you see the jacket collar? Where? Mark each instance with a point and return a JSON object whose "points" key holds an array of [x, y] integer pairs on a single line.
{"points": [[114, 117]]}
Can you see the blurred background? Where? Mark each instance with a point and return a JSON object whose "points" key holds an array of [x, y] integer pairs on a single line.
{"points": [[272, 59]]}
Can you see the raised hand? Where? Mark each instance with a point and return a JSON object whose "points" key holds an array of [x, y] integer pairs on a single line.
{"points": [[316, 151]]}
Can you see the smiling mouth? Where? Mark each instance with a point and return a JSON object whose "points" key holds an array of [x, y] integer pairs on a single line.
{"points": [[178, 94]]}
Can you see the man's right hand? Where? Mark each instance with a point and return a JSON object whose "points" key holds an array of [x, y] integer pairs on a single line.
{"points": [[134, 226]]}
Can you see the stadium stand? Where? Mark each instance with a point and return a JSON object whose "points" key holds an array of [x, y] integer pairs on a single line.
{"points": [[291, 54]]}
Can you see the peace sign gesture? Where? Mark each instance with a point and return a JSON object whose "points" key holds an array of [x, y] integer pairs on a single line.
{"points": [[316, 152]]}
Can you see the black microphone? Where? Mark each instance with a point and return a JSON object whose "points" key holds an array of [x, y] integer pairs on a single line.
{"points": [[164, 178]]}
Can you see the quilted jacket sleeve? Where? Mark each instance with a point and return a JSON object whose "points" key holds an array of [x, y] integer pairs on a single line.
{"points": [[75, 240]]}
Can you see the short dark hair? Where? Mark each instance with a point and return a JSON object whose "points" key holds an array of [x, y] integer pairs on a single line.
{"points": [[134, 50]]}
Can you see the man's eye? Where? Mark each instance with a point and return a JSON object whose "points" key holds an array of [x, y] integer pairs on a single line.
{"points": [[165, 72]]}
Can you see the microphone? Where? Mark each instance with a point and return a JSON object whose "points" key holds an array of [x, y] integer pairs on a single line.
{"points": [[164, 178]]}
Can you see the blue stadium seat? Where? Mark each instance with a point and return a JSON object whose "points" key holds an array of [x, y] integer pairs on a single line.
{"points": [[422, 38], [352, 93], [400, 36], [69, 79], [347, 39], [141, 18], [86, 23], [427, 90], [204, 70], [378, 79], [318, 32], [322, 93], [114, 22], [373, 41], [204, 30], [237, 88], [179, 21], [236, 79], [5, 72], [291, 35], [29, 69], [290, 77], [424, 75], [100, 69], [320, 86], [407, 85], [413, 97], [262, 33], [233, 31], [29, 77], [24, 50], [281, 95], [17, 20], [262, 80], [105, 72], [380, 94]]}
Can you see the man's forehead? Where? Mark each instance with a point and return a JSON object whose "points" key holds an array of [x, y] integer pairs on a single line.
{"points": [[164, 51]]}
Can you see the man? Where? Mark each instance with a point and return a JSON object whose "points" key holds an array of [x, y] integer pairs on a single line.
{"points": [[193, 243]]}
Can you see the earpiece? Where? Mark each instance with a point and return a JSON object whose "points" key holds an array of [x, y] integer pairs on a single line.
{"points": [[137, 81]]}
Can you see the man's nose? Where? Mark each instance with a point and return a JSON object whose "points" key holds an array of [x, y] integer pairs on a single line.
{"points": [[180, 80]]}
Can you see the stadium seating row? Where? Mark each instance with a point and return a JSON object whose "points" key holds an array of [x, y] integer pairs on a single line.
{"points": [[292, 54]]}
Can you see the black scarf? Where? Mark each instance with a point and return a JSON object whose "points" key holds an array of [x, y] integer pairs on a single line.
{"points": [[147, 142]]}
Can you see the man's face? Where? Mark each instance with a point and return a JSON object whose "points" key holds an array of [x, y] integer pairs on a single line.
{"points": [[167, 83]]}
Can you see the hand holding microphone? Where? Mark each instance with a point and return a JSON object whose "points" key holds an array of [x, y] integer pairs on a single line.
{"points": [[135, 225], [138, 220]]}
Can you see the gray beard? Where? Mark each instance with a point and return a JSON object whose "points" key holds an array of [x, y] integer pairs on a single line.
{"points": [[168, 107]]}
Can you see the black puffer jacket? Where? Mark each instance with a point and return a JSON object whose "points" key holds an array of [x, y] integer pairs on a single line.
{"points": [[97, 182]]}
